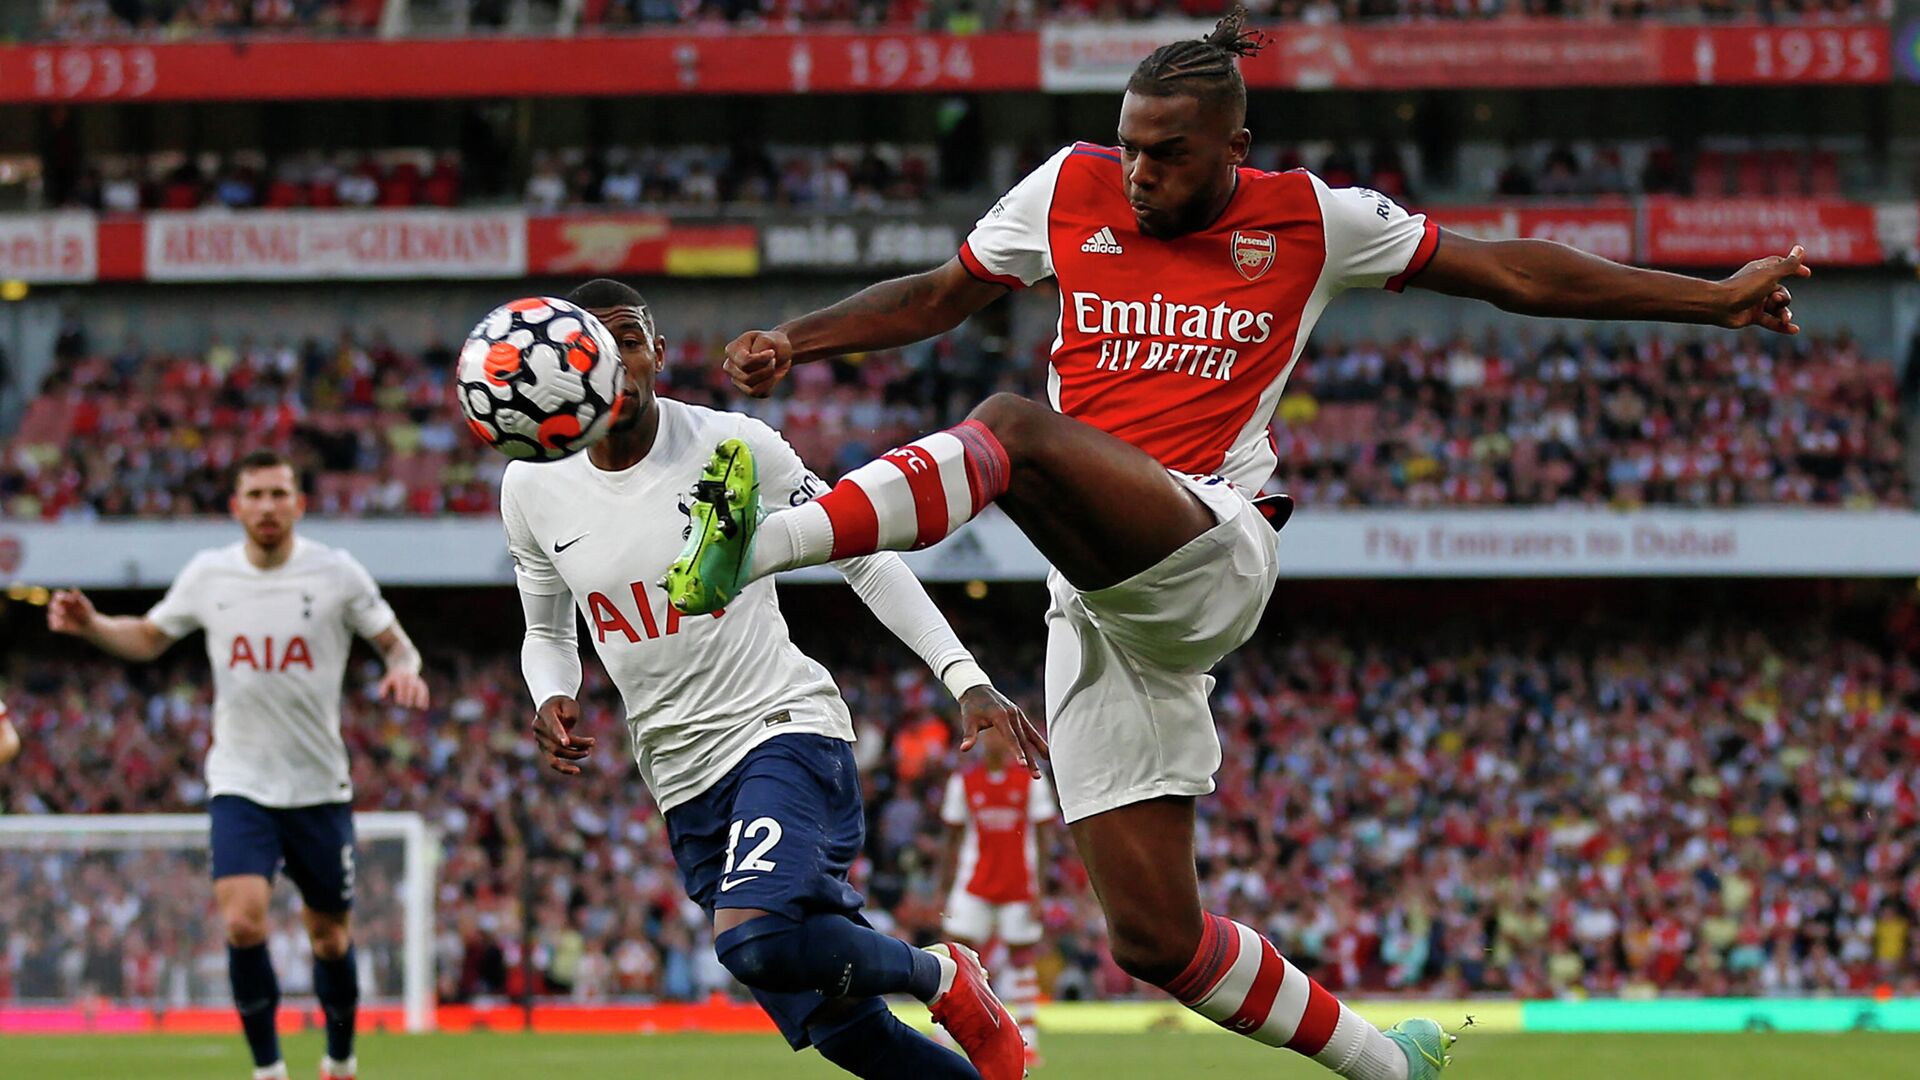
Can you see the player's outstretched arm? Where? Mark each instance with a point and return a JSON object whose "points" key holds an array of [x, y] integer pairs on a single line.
{"points": [[901, 603], [883, 316], [1540, 277], [402, 683], [129, 637]]}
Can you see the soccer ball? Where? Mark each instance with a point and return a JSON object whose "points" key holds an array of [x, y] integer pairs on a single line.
{"points": [[538, 379]]}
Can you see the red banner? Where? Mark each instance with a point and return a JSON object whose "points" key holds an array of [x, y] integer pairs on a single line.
{"points": [[1775, 54], [520, 67], [611, 243], [1606, 231], [1731, 232], [1078, 57], [1502, 54]]}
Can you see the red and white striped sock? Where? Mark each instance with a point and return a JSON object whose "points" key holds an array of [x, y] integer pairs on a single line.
{"points": [[1239, 981], [909, 498], [1019, 990]]}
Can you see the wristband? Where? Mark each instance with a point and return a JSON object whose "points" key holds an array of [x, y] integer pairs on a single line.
{"points": [[963, 675]]}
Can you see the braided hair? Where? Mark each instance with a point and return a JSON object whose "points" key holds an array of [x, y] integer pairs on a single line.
{"points": [[1205, 68]]}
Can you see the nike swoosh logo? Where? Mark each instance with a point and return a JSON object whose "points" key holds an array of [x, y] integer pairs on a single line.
{"points": [[559, 547], [725, 885]]}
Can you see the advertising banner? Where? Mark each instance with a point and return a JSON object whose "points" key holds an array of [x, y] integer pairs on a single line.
{"points": [[49, 248], [1730, 232], [309, 245]]}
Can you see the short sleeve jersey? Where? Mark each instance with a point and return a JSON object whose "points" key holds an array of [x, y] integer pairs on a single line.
{"points": [[1182, 346], [278, 639]]}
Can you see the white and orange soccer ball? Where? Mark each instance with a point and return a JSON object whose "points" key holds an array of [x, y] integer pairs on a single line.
{"points": [[539, 379]]}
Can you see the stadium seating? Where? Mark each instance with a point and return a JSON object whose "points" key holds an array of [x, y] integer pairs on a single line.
{"points": [[1364, 424], [1426, 810]]}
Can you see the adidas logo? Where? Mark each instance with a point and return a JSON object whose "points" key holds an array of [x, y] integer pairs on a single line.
{"points": [[1102, 243]]}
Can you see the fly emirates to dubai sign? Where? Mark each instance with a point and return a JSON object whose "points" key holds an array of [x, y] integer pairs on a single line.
{"points": [[1317, 544]]}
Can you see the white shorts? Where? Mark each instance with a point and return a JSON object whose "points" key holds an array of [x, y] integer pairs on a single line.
{"points": [[980, 921], [1127, 682]]}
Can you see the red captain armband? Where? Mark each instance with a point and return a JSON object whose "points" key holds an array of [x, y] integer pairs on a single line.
{"points": [[979, 269]]}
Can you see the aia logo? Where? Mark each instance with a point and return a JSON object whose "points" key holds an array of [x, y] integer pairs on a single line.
{"points": [[1253, 253], [608, 618], [245, 653]]}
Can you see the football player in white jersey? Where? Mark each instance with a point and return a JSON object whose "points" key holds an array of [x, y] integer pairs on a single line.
{"points": [[743, 740], [280, 614]]}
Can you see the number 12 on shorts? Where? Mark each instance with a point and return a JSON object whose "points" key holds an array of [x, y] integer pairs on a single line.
{"points": [[755, 864]]}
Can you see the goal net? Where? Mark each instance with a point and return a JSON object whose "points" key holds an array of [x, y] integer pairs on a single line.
{"points": [[104, 912]]}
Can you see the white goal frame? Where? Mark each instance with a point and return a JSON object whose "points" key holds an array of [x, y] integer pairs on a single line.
{"points": [[109, 832]]}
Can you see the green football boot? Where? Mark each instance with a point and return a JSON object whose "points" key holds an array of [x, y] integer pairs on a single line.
{"points": [[1425, 1043], [712, 568]]}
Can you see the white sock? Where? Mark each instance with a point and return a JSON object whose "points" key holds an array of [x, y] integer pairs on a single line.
{"points": [[801, 536], [949, 968], [1359, 1051], [349, 1067], [275, 1071]]}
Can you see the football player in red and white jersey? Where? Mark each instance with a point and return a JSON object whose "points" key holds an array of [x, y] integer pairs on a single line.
{"points": [[991, 874], [1188, 286]]}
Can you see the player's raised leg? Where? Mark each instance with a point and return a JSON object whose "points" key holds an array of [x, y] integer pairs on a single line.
{"points": [[1100, 510]]}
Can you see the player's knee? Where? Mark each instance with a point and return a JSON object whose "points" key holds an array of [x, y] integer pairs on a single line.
{"points": [[330, 942], [1012, 419], [245, 928], [1152, 958], [765, 956]]}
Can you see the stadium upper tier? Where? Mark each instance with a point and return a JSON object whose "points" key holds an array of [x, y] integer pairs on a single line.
{"points": [[1724, 809], [98, 20], [436, 51], [1714, 422]]}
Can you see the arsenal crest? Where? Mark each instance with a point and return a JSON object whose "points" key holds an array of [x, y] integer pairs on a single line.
{"points": [[1253, 253]]}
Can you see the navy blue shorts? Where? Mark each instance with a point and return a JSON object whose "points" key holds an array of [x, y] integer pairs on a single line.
{"points": [[314, 843], [778, 833]]}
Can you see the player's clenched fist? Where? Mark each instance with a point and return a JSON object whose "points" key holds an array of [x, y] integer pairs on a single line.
{"points": [[70, 612], [758, 359], [552, 728]]}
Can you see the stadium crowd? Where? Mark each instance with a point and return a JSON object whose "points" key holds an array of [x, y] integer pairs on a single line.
{"points": [[89, 20], [1733, 421], [676, 178], [1727, 807]]}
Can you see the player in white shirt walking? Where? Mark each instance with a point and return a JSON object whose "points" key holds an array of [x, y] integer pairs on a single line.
{"points": [[743, 740], [280, 614]]}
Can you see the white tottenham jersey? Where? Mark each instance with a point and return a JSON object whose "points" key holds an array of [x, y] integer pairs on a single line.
{"points": [[278, 640], [700, 690]]}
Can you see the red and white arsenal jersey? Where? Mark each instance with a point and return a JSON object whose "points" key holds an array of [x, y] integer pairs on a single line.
{"points": [[1181, 347], [998, 811]]}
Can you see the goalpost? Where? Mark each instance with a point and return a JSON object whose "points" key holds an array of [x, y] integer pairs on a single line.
{"points": [[89, 892]]}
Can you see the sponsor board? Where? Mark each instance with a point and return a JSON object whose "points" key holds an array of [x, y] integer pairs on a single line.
{"points": [[308, 245], [49, 248], [1521, 543]]}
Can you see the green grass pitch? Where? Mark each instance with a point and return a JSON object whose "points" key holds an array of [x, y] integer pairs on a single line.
{"points": [[1069, 1057]]}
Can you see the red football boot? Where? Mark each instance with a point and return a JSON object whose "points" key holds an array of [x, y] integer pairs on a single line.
{"points": [[976, 1019]]}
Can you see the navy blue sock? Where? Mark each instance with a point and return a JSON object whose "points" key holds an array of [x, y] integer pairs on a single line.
{"points": [[879, 1047], [256, 996], [337, 984], [826, 953]]}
